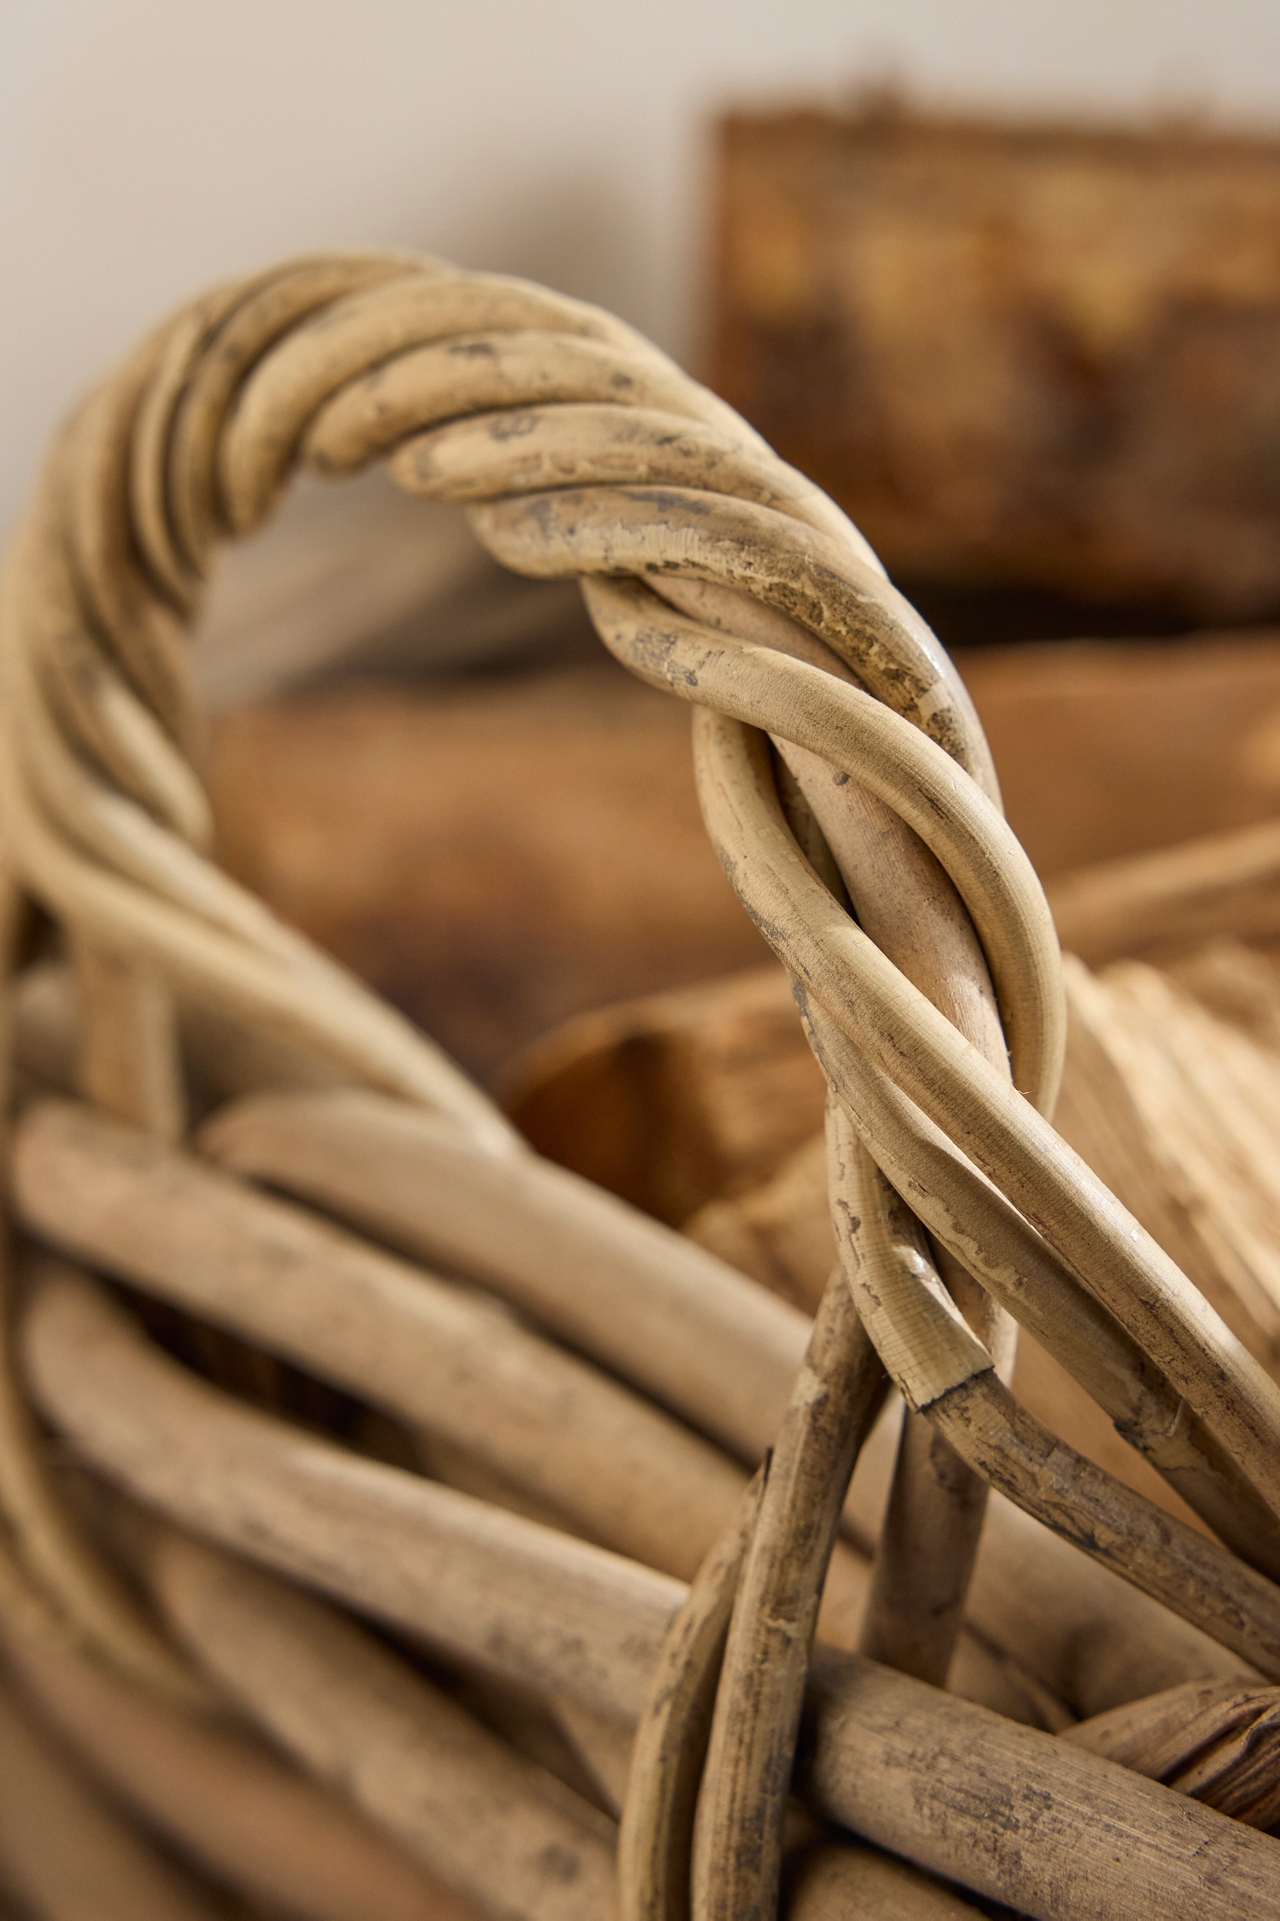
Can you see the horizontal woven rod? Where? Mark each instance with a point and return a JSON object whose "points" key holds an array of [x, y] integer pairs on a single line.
{"points": [[540, 1608], [849, 1882], [1076, 1629], [690, 1330], [488, 1821], [910, 1768], [1212, 1739], [65, 1851], [421, 1349], [353, 1713], [1015, 1826], [634, 1294], [225, 1799]]}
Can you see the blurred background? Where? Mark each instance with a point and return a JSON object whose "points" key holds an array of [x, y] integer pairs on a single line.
{"points": [[147, 149], [1004, 278]]}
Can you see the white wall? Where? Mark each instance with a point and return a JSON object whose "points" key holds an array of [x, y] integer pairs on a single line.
{"points": [[149, 146]]}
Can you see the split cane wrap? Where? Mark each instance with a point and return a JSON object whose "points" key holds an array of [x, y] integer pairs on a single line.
{"points": [[849, 792]]}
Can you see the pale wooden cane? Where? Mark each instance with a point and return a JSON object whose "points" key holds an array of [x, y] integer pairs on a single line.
{"points": [[849, 791]]}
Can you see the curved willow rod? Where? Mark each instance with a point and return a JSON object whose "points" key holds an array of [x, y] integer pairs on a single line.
{"points": [[965, 1213], [738, 1842], [908, 904], [655, 1840], [713, 569], [843, 972], [900, 1296], [859, 737]]}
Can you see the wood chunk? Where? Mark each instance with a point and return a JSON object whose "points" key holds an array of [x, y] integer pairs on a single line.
{"points": [[677, 1099], [779, 1232], [661, 1085], [499, 855], [1240, 984], [493, 857], [1037, 353], [1172, 898], [1179, 1113], [1108, 748]]}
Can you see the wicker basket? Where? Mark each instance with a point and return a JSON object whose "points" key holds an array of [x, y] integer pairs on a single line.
{"points": [[312, 1198]]}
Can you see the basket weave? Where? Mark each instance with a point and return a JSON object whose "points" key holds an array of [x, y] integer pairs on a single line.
{"points": [[848, 789]]}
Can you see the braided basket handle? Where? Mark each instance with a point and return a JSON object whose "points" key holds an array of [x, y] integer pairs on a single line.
{"points": [[849, 791]]}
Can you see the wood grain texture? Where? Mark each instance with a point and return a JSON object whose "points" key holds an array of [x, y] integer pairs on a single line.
{"points": [[990, 343]]}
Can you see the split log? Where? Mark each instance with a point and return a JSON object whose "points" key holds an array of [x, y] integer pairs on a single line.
{"points": [[336, 805], [380, 821], [779, 1232], [694, 1094], [1178, 1111], [1114, 750], [1024, 412], [1221, 884]]}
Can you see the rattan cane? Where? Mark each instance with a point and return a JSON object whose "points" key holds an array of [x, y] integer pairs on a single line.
{"points": [[849, 792]]}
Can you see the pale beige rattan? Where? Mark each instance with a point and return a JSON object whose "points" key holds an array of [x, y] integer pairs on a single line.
{"points": [[849, 791]]}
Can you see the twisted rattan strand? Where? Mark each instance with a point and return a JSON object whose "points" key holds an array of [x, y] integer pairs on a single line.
{"points": [[716, 571]]}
